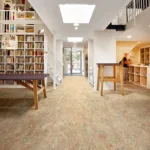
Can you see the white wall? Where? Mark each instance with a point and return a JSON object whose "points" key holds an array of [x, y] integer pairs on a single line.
{"points": [[59, 58], [104, 52]]}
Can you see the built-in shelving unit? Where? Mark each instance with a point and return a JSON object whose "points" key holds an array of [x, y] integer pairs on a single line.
{"points": [[140, 75], [28, 57], [145, 56]]}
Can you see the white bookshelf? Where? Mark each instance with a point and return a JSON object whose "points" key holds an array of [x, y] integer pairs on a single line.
{"points": [[140, 75], [28, 57]]}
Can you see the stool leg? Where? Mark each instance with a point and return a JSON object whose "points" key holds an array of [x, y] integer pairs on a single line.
{"points": [[121, 79], [98, 77], [114, 70], [102, 80]]}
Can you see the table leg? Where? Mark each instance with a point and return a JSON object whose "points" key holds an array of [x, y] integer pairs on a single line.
{"points": [[35, 94], [102, 79], [44, 90], [98, 77], [121, 79], [114, 70]]}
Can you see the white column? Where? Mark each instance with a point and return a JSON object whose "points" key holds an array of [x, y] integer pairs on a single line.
{"points": [[104, 52], [59, 58], [54, 60], [90, 58]]}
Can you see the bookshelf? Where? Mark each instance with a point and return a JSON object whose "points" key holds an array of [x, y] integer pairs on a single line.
{"points": [[145, 56], [27, 58], [140, 75]]}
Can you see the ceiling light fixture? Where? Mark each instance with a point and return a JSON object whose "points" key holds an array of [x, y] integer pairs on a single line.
{"points": [[76, 28], [75, 39], [76, 24], [76, 13], [129, 36]]}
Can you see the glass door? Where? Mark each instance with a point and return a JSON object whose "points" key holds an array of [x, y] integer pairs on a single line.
{"points": [[76, 62], [72, 61]]}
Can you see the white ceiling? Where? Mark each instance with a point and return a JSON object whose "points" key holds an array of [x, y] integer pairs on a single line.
{"points": [[104, 13]]}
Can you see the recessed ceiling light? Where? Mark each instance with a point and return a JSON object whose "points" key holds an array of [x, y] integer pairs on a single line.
{"points": [[76, 24], [76, 28], [129, 36], [72, 13], [75, 39]]}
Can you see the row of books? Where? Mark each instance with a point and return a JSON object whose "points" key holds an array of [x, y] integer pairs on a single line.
{"points": [[19, 60], [29, 67], [39, 67], [39, 38], [29, 45], [29, 53], [39, 52], [29, 59], [20, 38], [39, 45], [1, 59], [20, 67], [1, 53], [1, 67], [19, 52], [29, 38], [20, 45], [39, 59], [9, 52], [9, 67], [10, 59]]}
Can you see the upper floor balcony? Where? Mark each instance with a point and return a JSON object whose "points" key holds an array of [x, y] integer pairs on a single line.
{"points": [[129, 13]]}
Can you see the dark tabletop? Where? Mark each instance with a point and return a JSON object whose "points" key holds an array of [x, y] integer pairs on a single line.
{"points": [[109, 64], [23, 76]]}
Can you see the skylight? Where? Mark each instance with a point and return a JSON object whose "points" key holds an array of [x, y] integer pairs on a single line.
{"points": [[75, 39], [75, 13]]}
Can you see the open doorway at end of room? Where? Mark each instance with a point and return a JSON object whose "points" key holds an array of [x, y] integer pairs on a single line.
{"points": [[73, 61]]}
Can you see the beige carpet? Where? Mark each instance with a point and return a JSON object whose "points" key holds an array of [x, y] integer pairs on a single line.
{"points": [[75, 117]]}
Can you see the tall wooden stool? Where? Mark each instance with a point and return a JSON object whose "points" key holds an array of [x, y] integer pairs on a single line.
{"points": [[109, 78]]}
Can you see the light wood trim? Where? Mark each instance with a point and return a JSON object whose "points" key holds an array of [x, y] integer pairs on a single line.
{"points": [[29, 81], [121, 79], [102, 79], [24, 84], [40, 91], [98, 77], [114, 71], [44, 90], [35, 94]]}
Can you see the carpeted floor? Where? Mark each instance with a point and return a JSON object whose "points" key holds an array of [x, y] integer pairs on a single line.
{"points": [[75, 117]]}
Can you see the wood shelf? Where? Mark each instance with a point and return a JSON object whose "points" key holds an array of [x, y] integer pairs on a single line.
{"points": [[141, 76]]}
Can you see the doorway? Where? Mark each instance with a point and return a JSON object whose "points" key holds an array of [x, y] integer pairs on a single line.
{"points": [[73, 61]]}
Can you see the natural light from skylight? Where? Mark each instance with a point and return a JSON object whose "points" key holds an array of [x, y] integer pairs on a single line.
{"points": [[76, 13], [75, 39]]}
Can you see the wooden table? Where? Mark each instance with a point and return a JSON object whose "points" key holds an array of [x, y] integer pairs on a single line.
{"points": [[109, 78], [29, 81]]}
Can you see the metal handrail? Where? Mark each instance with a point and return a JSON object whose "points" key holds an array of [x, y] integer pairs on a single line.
{"points": [[133, 9]]}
